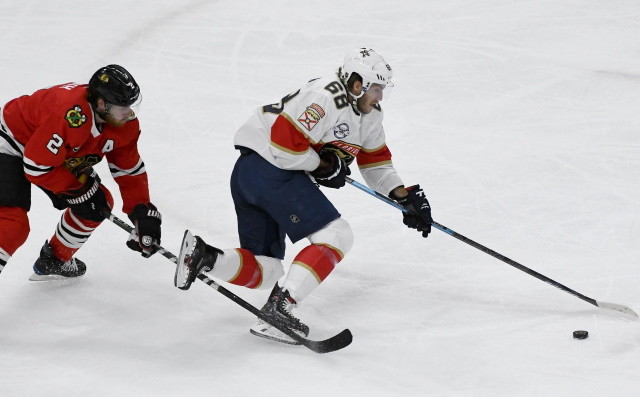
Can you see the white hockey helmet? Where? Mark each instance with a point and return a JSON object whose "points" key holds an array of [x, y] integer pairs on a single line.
{"points": [[369, 65]]}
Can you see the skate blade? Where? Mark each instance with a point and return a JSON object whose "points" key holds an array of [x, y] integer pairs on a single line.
{"points": [[49, 277], [274, 334], [275, 338], [182, 271]]}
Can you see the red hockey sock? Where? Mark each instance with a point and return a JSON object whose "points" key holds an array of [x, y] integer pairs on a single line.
{"points": [[318, 259], [310, 267], [249, 272], [14, 229], [71, 233]]}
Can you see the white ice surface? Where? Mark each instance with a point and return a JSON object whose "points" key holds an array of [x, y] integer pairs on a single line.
{"points": [[519, 118]]}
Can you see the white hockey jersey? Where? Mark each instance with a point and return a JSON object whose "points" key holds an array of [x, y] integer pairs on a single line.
{"points": [[290, 133]]}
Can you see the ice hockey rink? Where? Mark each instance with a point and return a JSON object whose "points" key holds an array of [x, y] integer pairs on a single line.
{"points": [[520, 119]]}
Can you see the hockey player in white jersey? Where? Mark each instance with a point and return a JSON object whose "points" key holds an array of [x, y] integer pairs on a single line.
{"points": [[315, 131]]}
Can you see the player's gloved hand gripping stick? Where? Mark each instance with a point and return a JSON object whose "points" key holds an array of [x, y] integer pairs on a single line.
{"points": [[337, 342], [620, 309], [334, 174]]}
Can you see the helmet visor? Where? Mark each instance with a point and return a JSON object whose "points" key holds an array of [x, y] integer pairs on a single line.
{"points": [[379, 92], [121, 114]]}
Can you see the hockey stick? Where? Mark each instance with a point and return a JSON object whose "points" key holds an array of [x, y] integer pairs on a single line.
{"points": [[336, 342], [605, 305]]}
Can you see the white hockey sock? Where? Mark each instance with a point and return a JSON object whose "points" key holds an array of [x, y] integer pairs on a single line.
{"points": [[300, 282], [241, 267]]}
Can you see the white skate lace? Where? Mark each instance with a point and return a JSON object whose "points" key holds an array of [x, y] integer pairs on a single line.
{"points": [[70, 265], [285, 309]]}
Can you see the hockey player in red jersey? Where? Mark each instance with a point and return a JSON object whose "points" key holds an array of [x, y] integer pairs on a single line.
{"points": [[52, 138], [316, 131]]}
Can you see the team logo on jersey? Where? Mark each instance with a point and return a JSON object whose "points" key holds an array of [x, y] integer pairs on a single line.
{"points": [[311, 116], [341, 130], [294, 218], [80, 165], [75, 117]]}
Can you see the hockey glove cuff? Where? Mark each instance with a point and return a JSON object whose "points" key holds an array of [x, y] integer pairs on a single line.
{"points": [[419, 215], [333, 176], [89, 201], [146, 235]]}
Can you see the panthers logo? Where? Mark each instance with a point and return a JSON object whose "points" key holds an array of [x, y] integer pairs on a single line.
{"points": [[341, 130], [75, 117]]}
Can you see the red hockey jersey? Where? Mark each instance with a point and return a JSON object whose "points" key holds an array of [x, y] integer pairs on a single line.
{"points": [[55, 132]]}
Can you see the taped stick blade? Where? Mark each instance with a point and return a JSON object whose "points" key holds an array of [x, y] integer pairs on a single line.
{"points": [[625, 310]]}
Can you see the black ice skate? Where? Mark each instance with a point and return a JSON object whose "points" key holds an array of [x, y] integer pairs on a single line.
{"points": [[278, 310], [195, 257], [48, 267]]}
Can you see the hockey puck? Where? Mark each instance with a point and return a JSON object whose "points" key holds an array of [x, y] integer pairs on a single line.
{"points": [[580, 334]]}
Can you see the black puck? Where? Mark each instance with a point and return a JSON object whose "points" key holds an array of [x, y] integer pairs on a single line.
{"points": [[580, 334]]}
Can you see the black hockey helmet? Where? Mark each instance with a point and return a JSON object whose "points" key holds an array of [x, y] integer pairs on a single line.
{"points": [[115, 85]]}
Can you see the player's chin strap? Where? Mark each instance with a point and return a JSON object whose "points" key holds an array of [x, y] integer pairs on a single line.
{"points": [[354, 100], [356, 97], [619, 309]]}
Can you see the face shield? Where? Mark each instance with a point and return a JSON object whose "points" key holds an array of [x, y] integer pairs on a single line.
{"points": [[117, 115], [379, 92], [121, 112], [372, 97]]}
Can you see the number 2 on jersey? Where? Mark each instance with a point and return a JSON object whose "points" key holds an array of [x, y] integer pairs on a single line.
{"points": [[55, 143]]}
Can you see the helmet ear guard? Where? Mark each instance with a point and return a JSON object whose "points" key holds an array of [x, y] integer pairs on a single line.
{"points": [[367, 64], [115, 85]]}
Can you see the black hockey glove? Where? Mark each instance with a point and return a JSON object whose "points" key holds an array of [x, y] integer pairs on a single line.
{"points": [[89, 201], [334, 175], [419, 215], [58, 202], [146, 234]]}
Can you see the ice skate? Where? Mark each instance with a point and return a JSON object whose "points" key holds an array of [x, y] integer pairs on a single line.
{"points": [[195, 257], [48, 267], [278, 308]]}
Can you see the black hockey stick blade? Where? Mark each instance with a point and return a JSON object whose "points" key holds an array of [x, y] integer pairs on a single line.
{"points": [[336, 342]]}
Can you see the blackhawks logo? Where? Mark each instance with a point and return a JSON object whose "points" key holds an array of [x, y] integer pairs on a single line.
{"points": [[80, 165], [75, 117]]}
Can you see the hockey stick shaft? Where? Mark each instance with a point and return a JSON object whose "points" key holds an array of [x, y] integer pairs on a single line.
{"points": [[336, 342], [539, 276]]}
